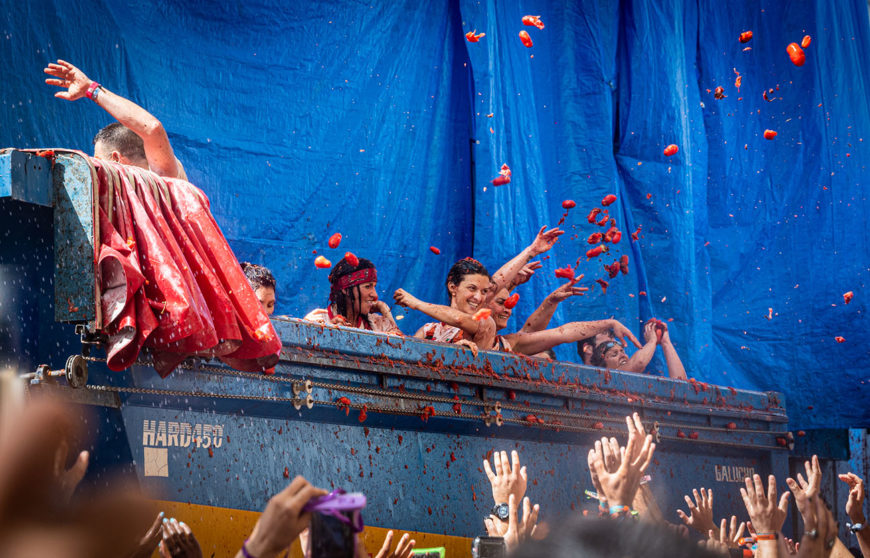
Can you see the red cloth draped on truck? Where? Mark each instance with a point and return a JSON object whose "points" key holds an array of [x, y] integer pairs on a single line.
{"points": [[168, 279]]}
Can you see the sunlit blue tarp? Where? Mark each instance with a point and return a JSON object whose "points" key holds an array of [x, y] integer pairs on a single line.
{"points": [[301, 119]]}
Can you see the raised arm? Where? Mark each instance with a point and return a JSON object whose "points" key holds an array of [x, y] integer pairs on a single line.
{"points": [[640, 359], [481, 332], [855, 510], [537, 341], [672, 359], [505, 276], [540, 318], [158, 151]]}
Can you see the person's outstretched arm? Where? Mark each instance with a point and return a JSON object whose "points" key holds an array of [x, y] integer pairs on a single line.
{"points": [[481, 332], [540, 318], [537, 341], [158, 151], [504, 277], [672, 359]]}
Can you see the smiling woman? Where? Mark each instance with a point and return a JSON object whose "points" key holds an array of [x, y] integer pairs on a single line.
{"points": [[468, 284]]}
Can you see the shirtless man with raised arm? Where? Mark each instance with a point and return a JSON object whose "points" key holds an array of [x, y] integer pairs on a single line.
{"points": [[146, 147]]}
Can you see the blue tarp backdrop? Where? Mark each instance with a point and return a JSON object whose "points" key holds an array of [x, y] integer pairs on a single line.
{"points": [[379, 121]]}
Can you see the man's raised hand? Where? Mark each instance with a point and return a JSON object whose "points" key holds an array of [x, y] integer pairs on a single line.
{"points": [[67, 76], [507, 478]]}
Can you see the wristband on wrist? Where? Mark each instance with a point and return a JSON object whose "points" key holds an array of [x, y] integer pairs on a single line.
{"points": [[245, 552], [855, 527], [91, 88], [616, 511], [766, 536]]}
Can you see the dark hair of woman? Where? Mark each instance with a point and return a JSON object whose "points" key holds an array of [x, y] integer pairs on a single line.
{"points": [[258, 276], [466, 266]]}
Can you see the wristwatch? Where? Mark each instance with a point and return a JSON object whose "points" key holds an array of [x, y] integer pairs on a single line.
{"points": [[855, 527], [501, 511]]}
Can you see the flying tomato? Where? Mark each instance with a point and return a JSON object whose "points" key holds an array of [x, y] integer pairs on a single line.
{"points": [[566, 272], [796, 54], [473, 37], [535, 21], [526, 39], [482, 314], [597, 251], [504, 176]]}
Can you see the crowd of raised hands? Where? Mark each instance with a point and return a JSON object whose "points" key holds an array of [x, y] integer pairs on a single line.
{"points": [[43, 513]]}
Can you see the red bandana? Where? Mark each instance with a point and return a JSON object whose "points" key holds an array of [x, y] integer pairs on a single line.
{"points": [[359, 277]]}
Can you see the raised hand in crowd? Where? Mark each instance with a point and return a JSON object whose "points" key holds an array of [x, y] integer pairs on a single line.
{"points": [[715, 542], [820, 530], [178, 541], [620, 486], [506, 477], [404, 548], [517, 529], [731, 532], [149, 541], [540, 318], [806, 490], [766, 514], [282, 521], [855, 501], [607, 451], [700, 516]]}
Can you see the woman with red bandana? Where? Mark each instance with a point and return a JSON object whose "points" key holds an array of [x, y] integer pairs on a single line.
{"points": [[353, 300]]}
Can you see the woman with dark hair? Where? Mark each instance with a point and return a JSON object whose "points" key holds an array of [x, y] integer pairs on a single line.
{"points": [[353, 299], [468, 283], [470, 289]]}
